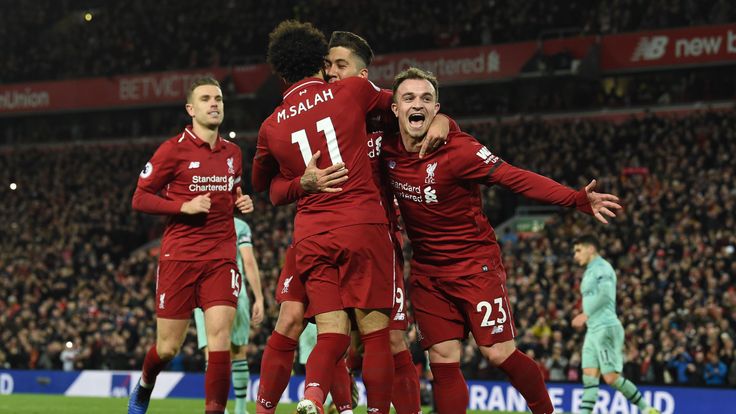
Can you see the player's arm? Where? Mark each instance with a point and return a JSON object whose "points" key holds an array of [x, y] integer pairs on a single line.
{"points": [[250, 267], [265, 166], [157, 173], [253, 276], [438, 133], [540, 188], [314, 180], [476, 162], [579, 320], [242, 202], [368, 96]]}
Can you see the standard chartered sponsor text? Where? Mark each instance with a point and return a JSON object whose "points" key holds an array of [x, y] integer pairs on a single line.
{"points": [[406, 187], [209, 183], [411, 197]]}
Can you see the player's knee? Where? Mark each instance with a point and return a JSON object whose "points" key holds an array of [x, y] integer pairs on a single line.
{"points": [[445, 352], [290, 324], [610, 378], [370, 321], [498, 353], [166, 351]]}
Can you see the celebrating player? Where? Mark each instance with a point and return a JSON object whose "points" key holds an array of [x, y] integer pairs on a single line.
{"points": [[198, 173], [604, 340], [247, 266], [349, 55], [457, 281], [340, 271]]}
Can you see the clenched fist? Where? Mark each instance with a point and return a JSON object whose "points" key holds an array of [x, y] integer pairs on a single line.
{"points": [[243, 202]]}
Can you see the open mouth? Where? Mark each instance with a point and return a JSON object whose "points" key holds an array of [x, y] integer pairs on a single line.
{"points": [[416, 120], [213, 113]]}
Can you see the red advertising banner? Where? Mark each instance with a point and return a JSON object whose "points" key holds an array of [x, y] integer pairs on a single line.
{"points": [[667, 48], [453, 66], [121, 91], [662, 49]]}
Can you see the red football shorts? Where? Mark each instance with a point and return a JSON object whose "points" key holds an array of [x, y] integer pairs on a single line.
{"points": [[290, 286], [347, 267], [448, 308], [182, 286], [400, 312]]}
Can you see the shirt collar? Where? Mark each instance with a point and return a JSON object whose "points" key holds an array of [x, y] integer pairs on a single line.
{"points": [[306, 82], [199, 141]]}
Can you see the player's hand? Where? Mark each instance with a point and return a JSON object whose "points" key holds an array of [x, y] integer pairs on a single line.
{"points": [[257, 313], [602, 203], [197, 205], [436, 135], [243, 202], [579, 321], [315, 180]]}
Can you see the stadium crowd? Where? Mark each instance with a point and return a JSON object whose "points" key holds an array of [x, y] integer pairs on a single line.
{"points": [[547, 94], [75, 266], [51, 39]]}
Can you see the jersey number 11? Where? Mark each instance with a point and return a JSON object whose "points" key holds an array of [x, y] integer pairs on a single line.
{"points": [[323, 125]]}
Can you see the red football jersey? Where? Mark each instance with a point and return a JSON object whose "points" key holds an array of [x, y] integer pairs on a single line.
{"points": [[316, 116], [441, 204], [182, 168]]}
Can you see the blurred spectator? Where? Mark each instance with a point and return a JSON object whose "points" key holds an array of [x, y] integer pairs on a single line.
{"points": [[715, 370], [69, 357], [556, 364], [49, 39]]}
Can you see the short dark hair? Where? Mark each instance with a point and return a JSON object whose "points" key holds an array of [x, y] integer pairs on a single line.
{"points": [[296, 50], [416, 73], [354, 43], [588, 239], [204, 80]]}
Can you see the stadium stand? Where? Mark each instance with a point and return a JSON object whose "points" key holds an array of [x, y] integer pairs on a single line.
{"points": [[140, 36], [71, 268]]}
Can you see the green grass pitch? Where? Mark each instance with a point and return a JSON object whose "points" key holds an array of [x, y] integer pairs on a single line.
{"points": [[59, 404]]}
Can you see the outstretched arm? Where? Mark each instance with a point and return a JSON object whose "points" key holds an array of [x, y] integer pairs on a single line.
{"points": [[547, 190]]}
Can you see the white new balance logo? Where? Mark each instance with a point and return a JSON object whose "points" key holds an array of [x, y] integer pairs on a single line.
{"points": [[161, 300], [497, 329], [193, 165], [650, 48]]}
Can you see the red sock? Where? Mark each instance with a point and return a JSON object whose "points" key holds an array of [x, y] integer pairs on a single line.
{"points": [[152, 365], [321, 364], [378, 370], [449, 388], [276, 364], [525, 376], [217, 382], [355, 362], [405, 395], [341, 390]]}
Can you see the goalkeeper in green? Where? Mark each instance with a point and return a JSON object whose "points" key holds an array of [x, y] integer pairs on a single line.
{"points": [[604, 341]]}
